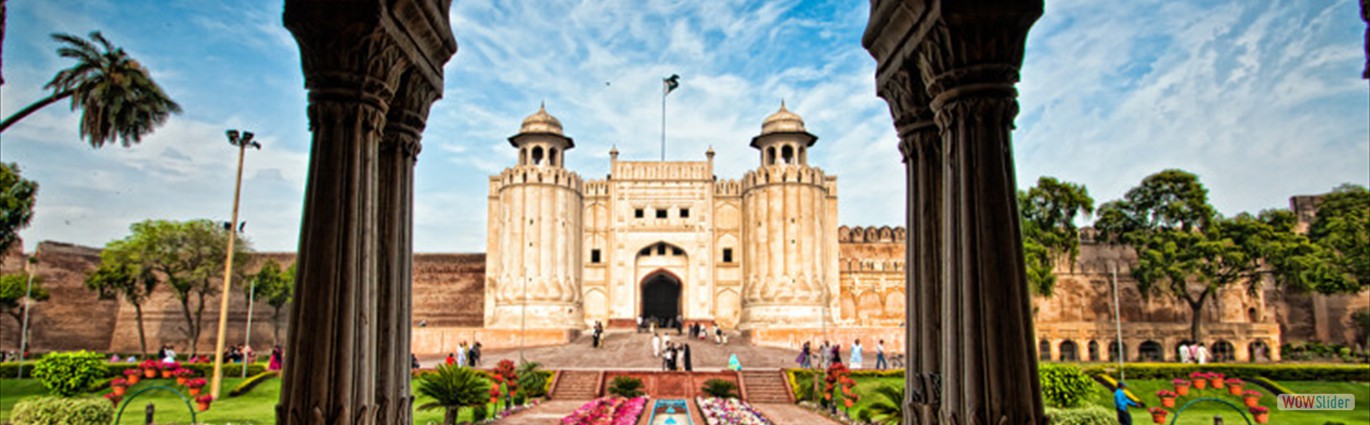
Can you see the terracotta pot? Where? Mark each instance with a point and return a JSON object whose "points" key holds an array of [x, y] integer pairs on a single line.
{"points": [[115, 403], [1182, 389], [1160, 419], [119, 390], [1262, 418], [1168, 402], [1200, 384], [194, 392], [180, 380], [133, 379], [166, 374], [1253, 401], [203, 406], [1234, 390], [149, 373], [1217, 383]]}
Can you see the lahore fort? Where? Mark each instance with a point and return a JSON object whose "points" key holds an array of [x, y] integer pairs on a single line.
{"points": [[763, 255]]}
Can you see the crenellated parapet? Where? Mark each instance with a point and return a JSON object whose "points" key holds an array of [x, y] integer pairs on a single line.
{"points": [[595, 188], [870, 234], [728, 188], [538, 175], [656, 170]]}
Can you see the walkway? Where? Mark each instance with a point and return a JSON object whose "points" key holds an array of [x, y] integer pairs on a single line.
{"points": [[625, 349], [786, 414]]}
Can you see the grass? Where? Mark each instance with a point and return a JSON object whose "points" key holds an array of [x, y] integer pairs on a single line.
{"points": [[1203, 412], [255, 407]]}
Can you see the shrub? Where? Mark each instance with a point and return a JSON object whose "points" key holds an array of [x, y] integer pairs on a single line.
{"points": [[1063, 386], [626, 386], [532, 380], [452, 388], [62, 411], [68, 374], [719, 388], [250, 383], [1278, 372], [1273, 386], [1092, 415], [478, 413]]}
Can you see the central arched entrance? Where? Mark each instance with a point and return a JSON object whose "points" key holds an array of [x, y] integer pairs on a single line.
{"points": [[660, 296]]}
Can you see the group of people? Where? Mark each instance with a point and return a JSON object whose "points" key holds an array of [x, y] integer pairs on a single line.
{"points": [[1193, 353], [465, 355], [674, 356], [598, 333], [826, 355], [240, 353], [702, 332]]}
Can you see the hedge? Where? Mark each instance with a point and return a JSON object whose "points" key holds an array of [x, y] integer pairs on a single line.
{"points": [[251, 382], [1093, 415], [8, 370], [62, 411], [1278, 372]]}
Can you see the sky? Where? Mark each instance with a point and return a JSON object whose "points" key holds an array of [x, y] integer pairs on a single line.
{"points": [[1261, 99]]}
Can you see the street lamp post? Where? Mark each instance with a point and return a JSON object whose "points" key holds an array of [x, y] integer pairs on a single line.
{"points": [[247, 340], [28, 305], [242, 143]]}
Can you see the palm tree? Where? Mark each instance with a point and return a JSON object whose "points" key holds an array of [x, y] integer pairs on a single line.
{"points": [[888, 407], [117, 97], [452, 388]]}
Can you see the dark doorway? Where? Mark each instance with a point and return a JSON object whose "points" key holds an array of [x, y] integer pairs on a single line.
{"points": [[661, 297]]}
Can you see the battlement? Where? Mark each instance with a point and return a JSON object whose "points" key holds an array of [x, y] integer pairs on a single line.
{"points": [[596, 188], [789, 173], [728, 187], [870, 234], [655, 170], [532, 174]]}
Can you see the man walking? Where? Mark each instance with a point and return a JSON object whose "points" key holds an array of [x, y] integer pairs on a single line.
{"points": [[880, 355], [1121, 402]]}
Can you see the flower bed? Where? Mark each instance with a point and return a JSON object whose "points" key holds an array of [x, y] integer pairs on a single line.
{"points": [[729, 411], [607, 411]]}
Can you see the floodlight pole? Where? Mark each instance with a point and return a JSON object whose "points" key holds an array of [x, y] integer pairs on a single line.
{"points": [[1118, 321], [242, 144], [24, 330], [247, 340]]}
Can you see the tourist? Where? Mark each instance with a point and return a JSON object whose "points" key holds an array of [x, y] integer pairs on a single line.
{"points": [[667, 362], [1121, 402], [276, 358], [656, 345], [161, 352], [734, 364], [474, 356], [880, 355], [1201, 354], [169, 356], [804, 354], [837, 354], [1183, 352], [679, 325], [451, 359], [413, 361], [112, 359], [718, 334], [461, 354], [856, 355], [825, 351], [598, 331], [685, 350], [639, 324]]}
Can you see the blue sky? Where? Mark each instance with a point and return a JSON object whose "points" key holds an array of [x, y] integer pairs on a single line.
{"points": [[1262, 99]]}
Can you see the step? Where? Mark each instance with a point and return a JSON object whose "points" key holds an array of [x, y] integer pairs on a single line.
{"points": [[766, 387], [576, 385]]}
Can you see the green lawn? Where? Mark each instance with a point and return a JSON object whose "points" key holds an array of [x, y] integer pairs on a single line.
{"points": [[256, 407], [1203, 412]]}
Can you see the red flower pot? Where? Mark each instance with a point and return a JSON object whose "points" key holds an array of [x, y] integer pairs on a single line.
{"points": [[119, 390], [203, 406], [1168, 402], [149, 373], [133, 379], [1200, 384], [1182, 389], [180, 380], [1217, 383], [1252, 401], [1234, 390], [1158, 418], [194, 392], [166, 374], [1262, 418]]}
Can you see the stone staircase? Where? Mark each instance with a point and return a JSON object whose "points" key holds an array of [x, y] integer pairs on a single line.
{"points": [[577, 385], [766, 386]]}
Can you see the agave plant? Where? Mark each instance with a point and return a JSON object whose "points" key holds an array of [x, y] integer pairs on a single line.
{"points": [[452, 388], [888, 407]]}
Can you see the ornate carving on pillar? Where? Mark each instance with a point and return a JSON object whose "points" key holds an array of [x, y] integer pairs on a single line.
{"points": [[971, 332], [354, 53]]}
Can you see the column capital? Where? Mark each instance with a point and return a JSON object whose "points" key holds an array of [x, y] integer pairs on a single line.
{"points": [[907, 97], [408, 115], [975, 48]]}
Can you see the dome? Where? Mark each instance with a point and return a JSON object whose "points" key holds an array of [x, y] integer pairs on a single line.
{"points": [[541, 122], [782, 121]]}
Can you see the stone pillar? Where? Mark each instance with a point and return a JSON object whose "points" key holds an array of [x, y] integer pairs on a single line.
{"points": [[967, 54], [921, 148], [398, 151], [341, 368]]}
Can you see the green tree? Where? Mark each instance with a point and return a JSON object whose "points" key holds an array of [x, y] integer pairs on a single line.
{"points": [[1050, 236], [277, 288], [1184, 249], [888, 406], [1342, 228], [117, 97], [117, 278], [17, 197], [452, 388], [12, 301], [187, 257]]}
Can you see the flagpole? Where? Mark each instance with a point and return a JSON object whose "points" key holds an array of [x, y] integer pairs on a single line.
{"points": [[664, 88]]}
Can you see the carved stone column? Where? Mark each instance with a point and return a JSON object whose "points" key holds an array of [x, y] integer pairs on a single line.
{"points": [[340, 368], [920, 145], [398, 152]]}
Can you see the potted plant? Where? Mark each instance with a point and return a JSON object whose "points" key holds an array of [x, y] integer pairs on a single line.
{"points": [[1261, 413], [1181, 386], [1167, 398], [194, 385], [1216, 379], [114, 398], [1200, 380], [1158, 414], [149, 368], [1234, 386], [119, 386], [167, 368], [1252, 398], [203, 401], [133, 375], [182, 375]]}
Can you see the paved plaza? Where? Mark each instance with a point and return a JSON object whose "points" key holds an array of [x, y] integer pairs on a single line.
{"points": [[625, 349]]}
